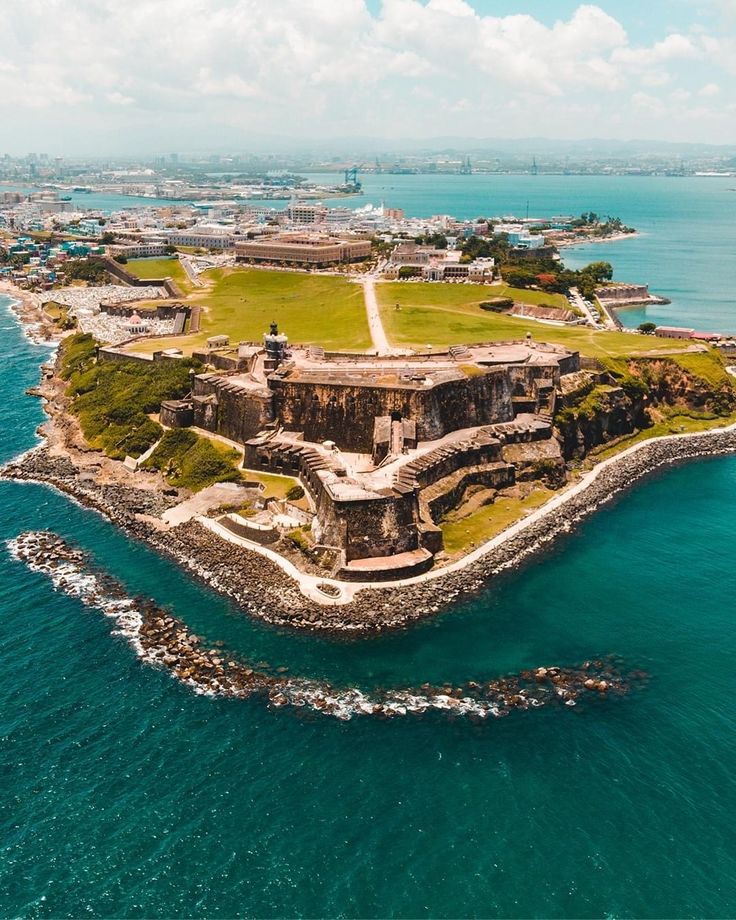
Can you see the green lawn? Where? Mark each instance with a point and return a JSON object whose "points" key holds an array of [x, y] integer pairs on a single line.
{"points": [[487, 522], [310, 309], [439, 294], [708, 366], [160, 268], [275, 486], [448, 314]]}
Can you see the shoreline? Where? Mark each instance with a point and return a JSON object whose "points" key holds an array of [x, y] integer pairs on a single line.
{"points": [[613, 238], [263, 589], [161, 640], [269, 587]]}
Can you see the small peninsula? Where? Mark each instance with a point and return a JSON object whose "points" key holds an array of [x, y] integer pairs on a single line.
{"points": [[351, 445]]}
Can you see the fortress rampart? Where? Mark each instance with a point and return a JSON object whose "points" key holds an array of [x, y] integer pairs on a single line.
{"points": [[297, 412]]}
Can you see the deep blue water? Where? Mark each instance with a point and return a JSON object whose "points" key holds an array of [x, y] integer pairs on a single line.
{"points": [[124, 794]]}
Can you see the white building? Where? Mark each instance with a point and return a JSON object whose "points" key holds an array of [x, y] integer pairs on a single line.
{"points": [[203, 236], [143, 249], [299, 213]]}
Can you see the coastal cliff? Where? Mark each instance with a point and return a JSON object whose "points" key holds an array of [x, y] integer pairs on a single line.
{"points": [[635, 395]]}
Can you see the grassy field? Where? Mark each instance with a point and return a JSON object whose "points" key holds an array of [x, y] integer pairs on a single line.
{"points": [[485, 523], [448, 295], [448, 314], [241, 303], [275, 486], [160, 268]]}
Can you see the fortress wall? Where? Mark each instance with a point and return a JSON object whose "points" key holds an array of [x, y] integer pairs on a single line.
{"points": [[346, 413], [522, 376], [380, 526], [448, 493], [569, 364], [236, 414], [377, 527], [475, 453]]}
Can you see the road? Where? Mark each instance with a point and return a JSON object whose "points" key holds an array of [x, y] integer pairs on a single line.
{"points": [[378, 334], [189, 269], [577, 299]]}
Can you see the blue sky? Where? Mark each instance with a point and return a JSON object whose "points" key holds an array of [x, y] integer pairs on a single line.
{"points": [[104, 76]]}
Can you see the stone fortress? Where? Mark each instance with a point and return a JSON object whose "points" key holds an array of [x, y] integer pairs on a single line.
{"points": [[384, 446]]}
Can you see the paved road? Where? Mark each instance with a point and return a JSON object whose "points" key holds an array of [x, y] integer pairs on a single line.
{"points": [[189, 269], [577, 299], [378, 334]]}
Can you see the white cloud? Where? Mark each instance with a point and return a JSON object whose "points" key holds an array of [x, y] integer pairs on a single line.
{"points": [[648, 103], [117, 98], [332, 66]]}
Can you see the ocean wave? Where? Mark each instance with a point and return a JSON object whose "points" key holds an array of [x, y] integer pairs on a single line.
{"points": [[160, 639]]}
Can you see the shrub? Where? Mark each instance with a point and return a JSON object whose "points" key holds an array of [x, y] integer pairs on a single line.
{"points": [[297, 538], [76, 354], [141, 438], [113, 400], [295, 493], [497, 304], [191, 462], [85, 270]]}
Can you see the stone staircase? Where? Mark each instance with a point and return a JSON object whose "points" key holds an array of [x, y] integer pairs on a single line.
{"points": [[423, 471]]}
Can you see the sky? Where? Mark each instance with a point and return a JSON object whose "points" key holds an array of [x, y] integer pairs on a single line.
{"points": [[104, 76]]}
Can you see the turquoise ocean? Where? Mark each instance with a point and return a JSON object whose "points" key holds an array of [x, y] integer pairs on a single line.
{"points": [[687, 227], [124, 794]]}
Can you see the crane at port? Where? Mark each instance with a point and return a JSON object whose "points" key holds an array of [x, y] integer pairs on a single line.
{"points": [[351, 177]]}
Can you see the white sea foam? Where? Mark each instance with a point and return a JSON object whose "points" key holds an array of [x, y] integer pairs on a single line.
{"points": [[175, 649]]}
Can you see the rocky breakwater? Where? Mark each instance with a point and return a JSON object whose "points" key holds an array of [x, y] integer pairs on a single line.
{"points": [[599, 487], [161, 639], [121, 503]]}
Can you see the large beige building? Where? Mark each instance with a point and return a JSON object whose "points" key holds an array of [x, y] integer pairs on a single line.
{"points": [[295, 248]]}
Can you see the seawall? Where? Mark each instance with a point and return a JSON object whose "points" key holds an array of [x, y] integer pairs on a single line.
{"points": [[263, 589]]}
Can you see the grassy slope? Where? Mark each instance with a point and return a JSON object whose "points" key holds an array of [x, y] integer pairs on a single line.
{"points": [[708, 365], [160, 268], [490, 520], [275, 486], [448, 314], [316, 309]]}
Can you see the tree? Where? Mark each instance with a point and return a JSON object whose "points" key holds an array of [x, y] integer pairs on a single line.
{"points": [[107, 238], [520, 278], [599, 271], [438, 240], [647, 328], [85, 270]]}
